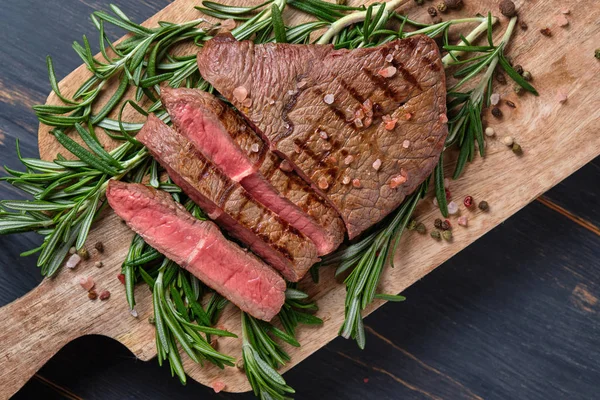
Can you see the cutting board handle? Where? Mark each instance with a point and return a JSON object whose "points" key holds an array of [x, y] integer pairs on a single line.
{"points": [[32, 329]]}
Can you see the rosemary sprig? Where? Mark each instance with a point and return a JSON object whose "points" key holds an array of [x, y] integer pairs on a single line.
{"points": [[263, 355], [366, 260]]}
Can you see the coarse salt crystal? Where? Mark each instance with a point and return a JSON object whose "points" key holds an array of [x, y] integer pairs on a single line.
{"points": [[133, 313], [291, 92], [377, 164], [254, 148], [359, 123], [286, 166], [397, 181], [495, 99], [368, 122], [328, 98], [73, 261], [240, 93], [346, 180], [452, 208], [356, 182], [323, 184], [389, 58], [218, 386], [435, 202], [388, 72], [348, 160], [561, 97], [323, 135], [368, 106], [561, 20], [86, 282], [359, 113], [391, 124], [463, 221], [565, 10], [247, 103], [301, 84], [271, 102], [406, 144]]}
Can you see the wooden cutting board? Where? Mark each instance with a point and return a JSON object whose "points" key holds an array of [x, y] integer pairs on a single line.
{"points": [[557, 138]]}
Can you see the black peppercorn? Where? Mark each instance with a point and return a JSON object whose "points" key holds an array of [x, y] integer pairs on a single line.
{"points": [[507, 8], [432, 11], [527, 76], [546, 32], [501, 78], [519, 69], [483, 205], [518, 90], [446, 226], [511, 104], [437, 223], [523, 25], [99, 246], [496, 112], [597, 54]]}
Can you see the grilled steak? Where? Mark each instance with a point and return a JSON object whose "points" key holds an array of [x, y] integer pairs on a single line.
{"points": [[224, 137], [365, 127], [199, 247], [227, 203]]}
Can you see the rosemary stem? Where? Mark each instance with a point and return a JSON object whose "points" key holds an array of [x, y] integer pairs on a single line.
{"points": [[482, 27], [478, 93], [354, 18], [431, 28]]}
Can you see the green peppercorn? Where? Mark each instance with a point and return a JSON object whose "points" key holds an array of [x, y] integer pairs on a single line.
{"points": [[597, 54], [442, 7], [447, 235], [437, 223], [496, 112], [483, 205], [436, 235], [99, 246], [412, 224], [152, 320], [527, 75], [83, 253], [518, 90], [519, 69], [240, 365], [421, 228], [516, 148]]}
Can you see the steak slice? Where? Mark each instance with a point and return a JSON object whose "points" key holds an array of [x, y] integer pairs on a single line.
{"points": [[199, 247], [225, 138], [227, 203], [365, 127]]}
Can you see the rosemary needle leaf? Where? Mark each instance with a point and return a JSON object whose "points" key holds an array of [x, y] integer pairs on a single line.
{"points": [[112, 102], [515, 75], [390, 297], [295, 294], [278, 25], [440, 190], [53, 83], [84, 155]]}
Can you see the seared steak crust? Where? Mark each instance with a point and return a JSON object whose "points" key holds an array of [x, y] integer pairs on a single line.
{"points": [[365, 127]]}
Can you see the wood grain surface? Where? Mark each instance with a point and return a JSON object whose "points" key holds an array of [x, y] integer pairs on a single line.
{"points": [[552, 152]]}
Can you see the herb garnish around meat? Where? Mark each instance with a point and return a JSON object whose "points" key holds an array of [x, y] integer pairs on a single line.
{"points": [[69, 195]]}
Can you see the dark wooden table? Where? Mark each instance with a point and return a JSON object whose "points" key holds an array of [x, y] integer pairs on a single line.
{"points": [[514, 316]]}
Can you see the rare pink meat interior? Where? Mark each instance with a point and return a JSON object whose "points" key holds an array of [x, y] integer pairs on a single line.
{"points": [[225, 138], [364, 127], [228, 203], [199, 247]]}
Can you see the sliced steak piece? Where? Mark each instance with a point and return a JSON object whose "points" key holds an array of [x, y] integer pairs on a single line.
{"points": [[365, 127], [225, 138], [199, 247], [227, 203]]}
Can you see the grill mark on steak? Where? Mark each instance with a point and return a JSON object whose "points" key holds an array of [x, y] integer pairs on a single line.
{"points": [[353, 92], [383, 84], [408, 77], [341, 115]]}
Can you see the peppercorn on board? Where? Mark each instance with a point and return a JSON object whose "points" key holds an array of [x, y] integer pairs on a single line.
{"points": [[557, 139]]}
